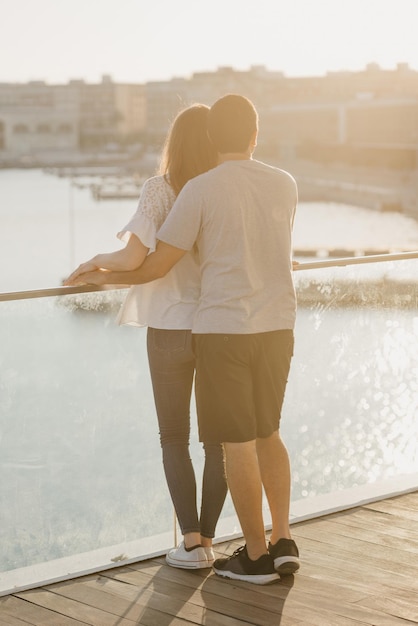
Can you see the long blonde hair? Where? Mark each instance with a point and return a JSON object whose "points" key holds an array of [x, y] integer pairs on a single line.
{"points": [[187, 150]]}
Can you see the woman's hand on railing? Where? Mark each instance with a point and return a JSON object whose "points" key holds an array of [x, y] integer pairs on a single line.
{"points": [[88, 276], [76, 277]]}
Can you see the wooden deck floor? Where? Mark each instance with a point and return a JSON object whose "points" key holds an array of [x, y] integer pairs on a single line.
{"points": [[358, 567]]}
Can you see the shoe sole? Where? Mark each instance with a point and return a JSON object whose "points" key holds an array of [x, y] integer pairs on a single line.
{"points": [[286, 565], [256, 579], [189, 564]]}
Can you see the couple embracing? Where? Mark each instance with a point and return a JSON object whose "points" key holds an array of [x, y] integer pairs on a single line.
{"points": [[209, 260]]}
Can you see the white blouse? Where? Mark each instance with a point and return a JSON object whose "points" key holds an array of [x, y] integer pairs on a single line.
{"points": [[169, 302]]}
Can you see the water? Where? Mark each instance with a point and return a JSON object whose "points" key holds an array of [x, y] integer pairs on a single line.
{"points": [[79, 447], [37, 211], [49, 226]]}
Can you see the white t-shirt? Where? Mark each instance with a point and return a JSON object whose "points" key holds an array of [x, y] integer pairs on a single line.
{"points": [[169, 302], [240, 216]]}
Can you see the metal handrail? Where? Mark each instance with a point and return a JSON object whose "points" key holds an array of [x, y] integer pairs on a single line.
{"points": [[340, 262], [359, 260], [54, 291]]}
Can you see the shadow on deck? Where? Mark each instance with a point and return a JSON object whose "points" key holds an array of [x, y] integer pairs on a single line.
{"points": [[359, 567]]}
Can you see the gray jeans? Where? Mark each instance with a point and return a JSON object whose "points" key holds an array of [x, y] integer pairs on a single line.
{"points": [[172, 367]]}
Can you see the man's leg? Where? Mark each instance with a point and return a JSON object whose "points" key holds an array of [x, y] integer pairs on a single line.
{"points": [[225, 413], [274, 466], [244, 481], [275, 475]]}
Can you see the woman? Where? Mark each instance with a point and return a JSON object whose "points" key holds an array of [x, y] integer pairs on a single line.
{"points": [[167, 307]]}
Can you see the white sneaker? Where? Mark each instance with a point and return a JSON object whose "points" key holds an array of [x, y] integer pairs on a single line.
{"points": [[193, 559]]}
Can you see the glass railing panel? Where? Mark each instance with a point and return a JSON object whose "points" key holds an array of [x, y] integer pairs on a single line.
{"points": [[79, 446], [82, 480], [350, 415]]}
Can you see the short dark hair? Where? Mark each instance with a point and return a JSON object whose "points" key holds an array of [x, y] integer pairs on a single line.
{"points": [[232, 121]]}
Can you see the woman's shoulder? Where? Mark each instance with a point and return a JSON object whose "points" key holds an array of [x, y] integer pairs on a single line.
{"points": [[157, 197], [158, 184]]}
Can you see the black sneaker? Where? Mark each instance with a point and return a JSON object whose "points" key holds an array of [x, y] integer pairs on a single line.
{"points": [[285, 554], [240, 567]]}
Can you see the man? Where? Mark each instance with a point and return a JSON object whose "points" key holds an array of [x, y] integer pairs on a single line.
{"points": [[239, 218]]}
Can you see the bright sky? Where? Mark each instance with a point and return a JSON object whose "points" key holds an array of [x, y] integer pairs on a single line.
{"points": [[143, 40]]}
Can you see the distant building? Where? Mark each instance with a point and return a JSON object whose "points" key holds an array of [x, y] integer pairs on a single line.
{"points": [[368, 118], [36, 118], [380, 132], [131, 107], [166, 99], [108, 112]]}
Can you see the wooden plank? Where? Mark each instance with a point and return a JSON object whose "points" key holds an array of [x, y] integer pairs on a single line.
{"points": [[394, 507], [334, 611], [201, 595], [381, 522], [253, 595], [392, 559], [370, 534], [408, 499], [363, 583], [32, 614], [321, 604], [75, 610], [359, 567], [281, 590], [318, 564], [108, 595], [9, 620], [367, 569], [276, 597], [325, 608], [348, 574], [395, 607]]}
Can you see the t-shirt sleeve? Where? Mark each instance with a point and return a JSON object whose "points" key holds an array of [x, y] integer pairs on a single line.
{"points": [[154, 203], [182, 226]]}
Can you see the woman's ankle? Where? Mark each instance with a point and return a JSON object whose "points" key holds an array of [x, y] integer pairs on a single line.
{"points": [[192, 539], [206, 542]]}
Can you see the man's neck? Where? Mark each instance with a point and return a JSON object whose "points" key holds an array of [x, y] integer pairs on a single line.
{"points": [[234, 156]]}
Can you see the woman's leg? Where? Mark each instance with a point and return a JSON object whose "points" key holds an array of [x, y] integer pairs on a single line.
{"points": [[214, 490], [171, 362]]}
